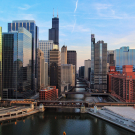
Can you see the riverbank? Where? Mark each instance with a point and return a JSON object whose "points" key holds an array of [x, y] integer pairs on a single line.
{"points": [[18, 116], [110, 120]]}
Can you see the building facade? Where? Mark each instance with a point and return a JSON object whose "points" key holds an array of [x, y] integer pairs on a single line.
{"points": [[54, 31], [46, 46], [49, 93], [99, 67], [16, 66], [123, 85], [87, 64], [41, 70], [124, 56], [30, 25], [81, 71], [110, 57], [55, 69], [64, 55], [112, 71], [68, 74], [72, 59], [0, 62]]}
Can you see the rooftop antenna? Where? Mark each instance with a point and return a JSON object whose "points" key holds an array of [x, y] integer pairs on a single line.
{"points": [[53, 12], [57, 14]]}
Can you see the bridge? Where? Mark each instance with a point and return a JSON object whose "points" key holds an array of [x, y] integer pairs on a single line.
{"points": [[78, 104], [63, 104], [91, 94]]}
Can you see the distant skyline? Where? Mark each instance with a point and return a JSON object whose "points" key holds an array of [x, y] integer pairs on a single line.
{"points": [[110, 20]]}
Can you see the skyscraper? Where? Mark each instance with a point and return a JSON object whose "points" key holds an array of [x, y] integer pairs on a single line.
{"points": [[30, 25], [41, 70], [0, 61], [92, 60], [98, 65], [64, 55], [54, 31], [72, 59], [17, 68], [87, 64], [55, 70]]}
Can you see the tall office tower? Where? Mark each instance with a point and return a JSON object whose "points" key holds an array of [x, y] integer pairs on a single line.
{"points": [[54, 31], [17, 68], [92, 60], [46, 74], [68, 74], [124, 56], [87, 64], [99, 67], [55, 69], [41, 70], [46, 46], [64, 54], [81, 71], [30, 25], [0, 61], [72, 59], [110, 57]]}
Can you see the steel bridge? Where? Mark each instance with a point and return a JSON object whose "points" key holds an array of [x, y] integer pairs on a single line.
{"points": [[63, 104]]}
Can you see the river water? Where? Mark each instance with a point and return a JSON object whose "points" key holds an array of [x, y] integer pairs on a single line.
{"points": [[56, 121]]}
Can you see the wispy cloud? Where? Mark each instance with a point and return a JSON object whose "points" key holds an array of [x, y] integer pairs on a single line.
{"points": [[25, 7], [76, 6], [74, 26]]}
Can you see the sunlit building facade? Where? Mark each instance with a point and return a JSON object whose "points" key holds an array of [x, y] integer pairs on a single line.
{"points": [[17, 67], [30, 25], [124, 56]]}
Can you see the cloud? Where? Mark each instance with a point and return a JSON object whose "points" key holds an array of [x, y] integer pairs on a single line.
{"points": [[76, 6], [74, 26], [25, 7]]}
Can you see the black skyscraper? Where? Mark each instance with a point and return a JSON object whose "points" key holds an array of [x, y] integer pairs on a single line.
{"points": [[54, 31]]}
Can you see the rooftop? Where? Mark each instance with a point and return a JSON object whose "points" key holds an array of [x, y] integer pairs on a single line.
{"points": [[127, 112]]}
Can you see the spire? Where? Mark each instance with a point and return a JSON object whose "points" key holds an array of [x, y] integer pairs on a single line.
{"points": [[57, 14], [53, 12]]}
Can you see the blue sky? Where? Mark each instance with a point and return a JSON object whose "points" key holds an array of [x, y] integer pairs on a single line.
{"points": [[110, 20]]}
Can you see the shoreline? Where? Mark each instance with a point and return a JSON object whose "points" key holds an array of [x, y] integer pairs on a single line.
{"points": [[112, 122], [19, 116]]}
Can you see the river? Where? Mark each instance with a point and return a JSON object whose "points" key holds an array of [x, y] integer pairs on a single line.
{"points": [[56, 121]]}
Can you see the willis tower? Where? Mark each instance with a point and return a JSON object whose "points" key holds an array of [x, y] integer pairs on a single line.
{"points": [[54, 31]]}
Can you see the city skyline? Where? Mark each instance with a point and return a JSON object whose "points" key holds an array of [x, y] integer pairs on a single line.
{"points": [[111, 21]]}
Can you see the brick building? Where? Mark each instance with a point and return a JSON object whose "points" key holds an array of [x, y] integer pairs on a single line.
{"points": [[49, 93], [123, 85], [112, 71]]}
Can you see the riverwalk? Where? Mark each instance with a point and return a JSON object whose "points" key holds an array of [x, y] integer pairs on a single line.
{"points": [[117, 122], [16, 112]]}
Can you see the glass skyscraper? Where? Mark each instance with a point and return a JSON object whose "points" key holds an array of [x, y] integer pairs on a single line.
{"points": [[98, 65], [54, 31], [0, 61], [17, 64], [124, 56], [30, 25]]}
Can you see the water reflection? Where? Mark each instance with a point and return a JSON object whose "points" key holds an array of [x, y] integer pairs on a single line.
{"points": [[54, 123]]}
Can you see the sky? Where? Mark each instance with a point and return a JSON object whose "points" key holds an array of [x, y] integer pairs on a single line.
{"points": [[110, 20]]}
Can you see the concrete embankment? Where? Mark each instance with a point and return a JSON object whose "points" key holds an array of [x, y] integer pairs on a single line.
{"points": [[98, 115], [19, 116]]}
